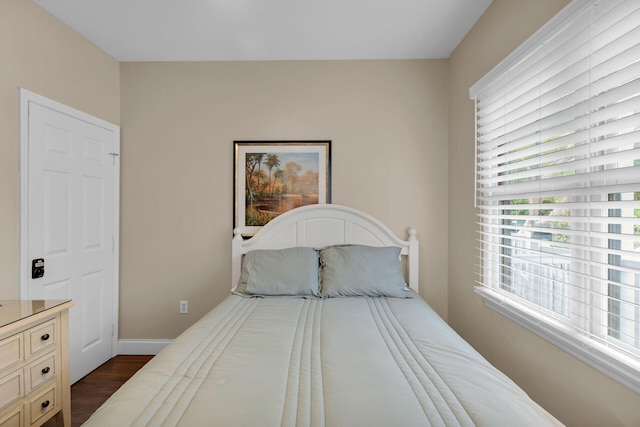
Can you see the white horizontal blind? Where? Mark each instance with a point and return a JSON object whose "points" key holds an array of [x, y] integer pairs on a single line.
{"points": [[558, 178]]}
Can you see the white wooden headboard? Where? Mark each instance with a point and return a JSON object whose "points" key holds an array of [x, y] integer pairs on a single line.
{"points": [[317, 226]]}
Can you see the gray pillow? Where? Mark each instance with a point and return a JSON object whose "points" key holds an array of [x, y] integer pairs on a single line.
{"points": [[291, 271], [356, 270]]}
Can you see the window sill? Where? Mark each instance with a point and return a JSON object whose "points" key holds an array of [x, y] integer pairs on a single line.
{"points": [[624, 370]]}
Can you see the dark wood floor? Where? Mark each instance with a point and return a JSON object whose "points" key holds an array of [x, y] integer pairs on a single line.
{"points": [[91, 391]]}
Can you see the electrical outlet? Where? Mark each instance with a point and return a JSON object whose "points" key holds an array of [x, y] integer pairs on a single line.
{"points": [[184, 307]]}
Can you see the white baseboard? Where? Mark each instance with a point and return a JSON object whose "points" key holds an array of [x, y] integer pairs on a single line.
{"points": [[141, 347]]}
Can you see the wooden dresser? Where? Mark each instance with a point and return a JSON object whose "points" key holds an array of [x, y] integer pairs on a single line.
{"points": [[34, 362]]}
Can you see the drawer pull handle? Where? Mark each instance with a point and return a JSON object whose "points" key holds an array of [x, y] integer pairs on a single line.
{"points": [[45, 404], [44, 337], [46, 370]]}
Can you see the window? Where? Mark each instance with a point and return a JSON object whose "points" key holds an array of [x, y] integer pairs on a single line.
{"points": [[558, 184]]}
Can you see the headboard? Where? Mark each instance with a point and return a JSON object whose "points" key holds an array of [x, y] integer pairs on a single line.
{"points": [[317, 226]]}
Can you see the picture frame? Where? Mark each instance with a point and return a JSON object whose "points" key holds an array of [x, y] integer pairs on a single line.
{"points": [[273, 177]]}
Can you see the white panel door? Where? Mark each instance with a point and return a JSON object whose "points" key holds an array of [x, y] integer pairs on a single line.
{"points": [[70, 224]]}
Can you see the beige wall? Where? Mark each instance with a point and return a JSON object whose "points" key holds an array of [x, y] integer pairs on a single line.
{"points": [[387, 122], [572, 391], [41, 54]]}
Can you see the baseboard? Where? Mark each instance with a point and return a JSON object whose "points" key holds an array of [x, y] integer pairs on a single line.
{"points": [[141, 347]]}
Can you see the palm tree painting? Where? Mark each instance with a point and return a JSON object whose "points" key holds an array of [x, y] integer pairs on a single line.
{"points": [[274, 177]]}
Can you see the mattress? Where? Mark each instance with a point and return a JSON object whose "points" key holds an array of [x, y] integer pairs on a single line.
{"points": [[320, 362]]}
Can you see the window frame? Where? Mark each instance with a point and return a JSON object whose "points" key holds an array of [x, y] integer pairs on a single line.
{"points": [[616, 365]]}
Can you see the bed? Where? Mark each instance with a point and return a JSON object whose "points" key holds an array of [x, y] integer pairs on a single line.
{"points": [[353, 346]]}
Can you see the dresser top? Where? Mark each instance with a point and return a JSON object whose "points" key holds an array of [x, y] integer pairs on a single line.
{"points": [[12, 311]]}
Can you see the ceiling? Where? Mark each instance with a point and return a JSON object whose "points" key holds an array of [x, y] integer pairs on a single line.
{"points": [[234, 30]]}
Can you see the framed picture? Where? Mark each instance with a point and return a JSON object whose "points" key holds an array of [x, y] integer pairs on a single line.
{"points": [[272, 177]]}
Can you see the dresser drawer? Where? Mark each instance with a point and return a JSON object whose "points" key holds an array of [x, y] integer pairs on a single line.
{"points": [[11, 388], [42, 404], [34, 375], [40, 371], [41, 336], [13, 417], [11, 351]]}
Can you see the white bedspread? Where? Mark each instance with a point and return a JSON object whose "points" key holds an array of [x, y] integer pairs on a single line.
{"points": [[335, 362]]}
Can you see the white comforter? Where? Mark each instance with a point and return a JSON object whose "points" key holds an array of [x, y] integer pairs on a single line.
{"points": [[335, 362]]}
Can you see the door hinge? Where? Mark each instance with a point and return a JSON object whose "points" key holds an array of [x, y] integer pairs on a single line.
{"points": [[113, 156], [113, 329]]}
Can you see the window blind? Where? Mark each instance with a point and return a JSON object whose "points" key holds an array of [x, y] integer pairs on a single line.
{"points": [[558, 182]]}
